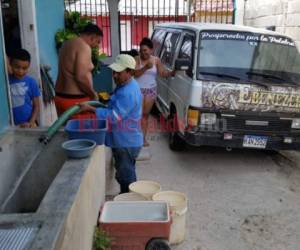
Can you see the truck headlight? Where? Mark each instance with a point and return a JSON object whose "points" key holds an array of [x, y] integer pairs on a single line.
{"points": [[208, 118], [296, 123]]}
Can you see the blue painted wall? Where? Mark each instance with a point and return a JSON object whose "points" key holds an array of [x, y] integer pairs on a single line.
{"points": [[103, 80], [50, 18], [4, 108]]}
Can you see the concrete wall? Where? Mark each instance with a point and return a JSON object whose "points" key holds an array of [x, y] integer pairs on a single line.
{"points": [[82, 219], [68, 213], [71, 206], [283, 14], [4, 108], [49, 18]]}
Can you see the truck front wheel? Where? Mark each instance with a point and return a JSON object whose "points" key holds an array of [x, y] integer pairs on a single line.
{"points": [[176, 143]]}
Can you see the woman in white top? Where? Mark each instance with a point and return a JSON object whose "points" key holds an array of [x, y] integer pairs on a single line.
{"points": [[147, 68]]}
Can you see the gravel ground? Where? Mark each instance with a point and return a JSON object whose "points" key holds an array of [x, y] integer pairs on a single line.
{"points": [[238, 200]]}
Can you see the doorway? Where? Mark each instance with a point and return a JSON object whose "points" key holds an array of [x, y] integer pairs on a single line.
{"points": [[11, 26], [20, 31], [11, 39]]}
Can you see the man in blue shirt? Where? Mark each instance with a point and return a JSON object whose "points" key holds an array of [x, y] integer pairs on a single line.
{"points": [[123, 114]]}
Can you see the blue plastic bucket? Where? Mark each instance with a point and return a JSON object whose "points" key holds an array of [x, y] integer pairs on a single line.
{"points": [[79, 148], [91, 129]]}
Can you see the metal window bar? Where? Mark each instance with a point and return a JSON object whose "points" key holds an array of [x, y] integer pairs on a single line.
{"points": [[194, 4], [183, 9], [217, 2], [211, 12], [222, 9], [227, 12], [98, 11], [205, 10], [153, 15], [158, 13], [125, 24], [138, 17], [176, 10], [108, 27], [233, 11], [135, 22], [169, 17], [147, 17], [142, 19]]}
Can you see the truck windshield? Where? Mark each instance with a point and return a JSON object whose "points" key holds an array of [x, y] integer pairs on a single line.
{"points": [[249, 57]]}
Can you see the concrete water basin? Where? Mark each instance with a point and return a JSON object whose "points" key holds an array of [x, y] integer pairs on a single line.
{"points": [[28, 169], [47, 201]]}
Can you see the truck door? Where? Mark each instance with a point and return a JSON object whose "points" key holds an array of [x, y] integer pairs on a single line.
{"points": [[180, 85], [167, 57]]}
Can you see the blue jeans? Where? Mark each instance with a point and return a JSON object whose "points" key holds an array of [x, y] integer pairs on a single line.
{"points": [[125, 166]]}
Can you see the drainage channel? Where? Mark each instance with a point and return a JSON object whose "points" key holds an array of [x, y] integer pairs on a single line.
{"points": [[16, 237]]}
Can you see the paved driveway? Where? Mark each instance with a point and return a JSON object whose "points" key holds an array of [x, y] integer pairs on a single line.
{"points": [[238, 200]]}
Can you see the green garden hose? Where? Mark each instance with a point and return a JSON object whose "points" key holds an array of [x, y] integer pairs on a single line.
{"points": [[45, 138]]}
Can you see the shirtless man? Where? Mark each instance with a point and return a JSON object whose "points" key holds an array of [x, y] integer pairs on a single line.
{"points": [[74, 82]]}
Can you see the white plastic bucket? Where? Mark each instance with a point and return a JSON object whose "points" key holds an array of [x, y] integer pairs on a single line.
{"points": [[145, 188], [178, 205], [129, 197]]}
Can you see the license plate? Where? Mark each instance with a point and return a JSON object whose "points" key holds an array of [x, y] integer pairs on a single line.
{"points": [[252, 141]]}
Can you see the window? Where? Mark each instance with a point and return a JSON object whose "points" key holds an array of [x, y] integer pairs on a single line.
{"points": [[186, 52], [240, 53], [169, 48], [158, 39]]}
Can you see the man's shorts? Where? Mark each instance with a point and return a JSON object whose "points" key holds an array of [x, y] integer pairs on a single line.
{"points": [[66, 101]]}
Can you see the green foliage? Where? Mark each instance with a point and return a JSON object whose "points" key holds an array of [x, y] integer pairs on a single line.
{"points": [[74, 24], [101, 240], [63, 35]]}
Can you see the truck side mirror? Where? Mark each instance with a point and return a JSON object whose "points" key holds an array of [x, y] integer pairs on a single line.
{"points": [[182, 64]]}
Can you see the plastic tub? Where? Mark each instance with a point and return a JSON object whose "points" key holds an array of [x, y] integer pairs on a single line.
{"points": [[133, 224], [87, 129], [134, 211], [79, 148], [145, 188], [178, 206], [130, 197]]}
